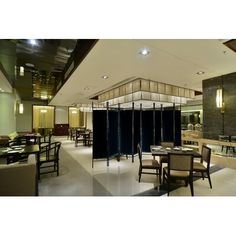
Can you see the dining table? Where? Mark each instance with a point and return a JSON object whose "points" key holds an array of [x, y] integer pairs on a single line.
{"points": [[164, 151]]}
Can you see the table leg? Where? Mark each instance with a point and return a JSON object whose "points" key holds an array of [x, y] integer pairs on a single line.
{"points": [[38, 165]]}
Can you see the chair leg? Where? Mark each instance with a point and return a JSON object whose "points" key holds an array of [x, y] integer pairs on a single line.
{"points": [[186, 183], [209, 179], [168, 187], [57, 166], [191, 186], [139, 173], [202, 175], [160, 173]]}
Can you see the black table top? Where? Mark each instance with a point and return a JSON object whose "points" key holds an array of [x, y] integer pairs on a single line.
{"points": [[22, 149]]}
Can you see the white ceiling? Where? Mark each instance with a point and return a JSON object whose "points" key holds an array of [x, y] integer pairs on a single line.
{"points": [[171, 61]]}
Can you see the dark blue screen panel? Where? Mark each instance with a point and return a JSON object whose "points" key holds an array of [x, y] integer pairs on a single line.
{"points": [[147, 130], [178, 128], [113, 133], [157, 127], [168, 125], [99, 134], [136, 130], [126, 132]]}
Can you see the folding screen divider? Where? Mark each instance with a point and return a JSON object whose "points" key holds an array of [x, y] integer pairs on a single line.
{"points": [[117, 132]]}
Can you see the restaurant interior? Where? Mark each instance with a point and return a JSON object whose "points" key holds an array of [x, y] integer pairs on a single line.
{"points": [[113, 114], [103, 117]]}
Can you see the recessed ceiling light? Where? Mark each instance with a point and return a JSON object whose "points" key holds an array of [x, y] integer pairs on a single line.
{"points": [[200, 72], [144, 52], [33, 42], [105, 77]]}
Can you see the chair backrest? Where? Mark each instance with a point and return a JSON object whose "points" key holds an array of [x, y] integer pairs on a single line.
{"points": [[47, 138], [224, 137], [206, 155], [233, 138], [167, 144], [139, 154], [51, 150], [181, 162]]}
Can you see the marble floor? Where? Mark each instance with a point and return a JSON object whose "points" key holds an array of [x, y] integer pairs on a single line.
{"points": [[78, 178]]}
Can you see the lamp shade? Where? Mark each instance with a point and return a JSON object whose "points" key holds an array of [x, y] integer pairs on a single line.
{"points": [[21, 108], [219, 100]]}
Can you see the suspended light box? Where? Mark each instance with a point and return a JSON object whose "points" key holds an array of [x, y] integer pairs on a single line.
{"points": [[146, 92]]}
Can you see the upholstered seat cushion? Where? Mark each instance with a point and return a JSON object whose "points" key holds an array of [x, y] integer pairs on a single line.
{"points": [[44, 158], [176, 173], [198, 166], [150, 164]]}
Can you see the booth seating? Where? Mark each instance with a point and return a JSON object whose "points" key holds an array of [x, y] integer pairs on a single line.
{"points": [[19, 179]]}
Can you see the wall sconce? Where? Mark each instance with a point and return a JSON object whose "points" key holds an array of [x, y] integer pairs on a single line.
{"points": [[21, 108], [219, 99], [22, 70]]}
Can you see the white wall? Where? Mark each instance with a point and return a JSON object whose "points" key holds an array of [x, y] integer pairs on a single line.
{"points": [[7, 113], [89, 124], [61, 115]]}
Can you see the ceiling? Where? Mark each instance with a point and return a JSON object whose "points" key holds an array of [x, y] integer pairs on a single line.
{"points": [[170, 61], [43, 60]]}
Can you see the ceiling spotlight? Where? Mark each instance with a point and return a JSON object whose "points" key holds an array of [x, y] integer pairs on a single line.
{"points": [[144, 52], [33, 42], [200, 72], [105, 77]]}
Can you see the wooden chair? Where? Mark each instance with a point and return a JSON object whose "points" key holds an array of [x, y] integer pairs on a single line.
{"points": [[45, 140], [79, 137], [89, 139], [180, 167], [147, 164], [49, 157], [233, 140], [164, 159], [204, 166], [226, 139]]}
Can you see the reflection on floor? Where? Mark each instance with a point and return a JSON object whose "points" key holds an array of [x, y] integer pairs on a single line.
{"points": [[78, 178]]}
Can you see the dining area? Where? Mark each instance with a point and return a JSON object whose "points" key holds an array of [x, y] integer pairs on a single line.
{"points": [[32, 155], [175, 166]]}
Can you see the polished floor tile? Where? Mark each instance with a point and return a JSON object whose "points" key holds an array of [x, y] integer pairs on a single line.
{"points": [[78, 178]]}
